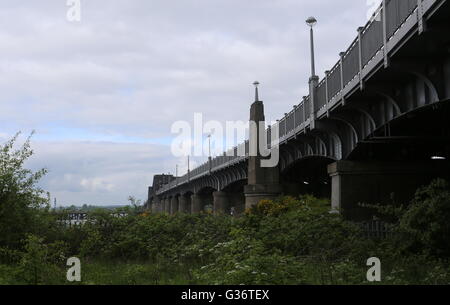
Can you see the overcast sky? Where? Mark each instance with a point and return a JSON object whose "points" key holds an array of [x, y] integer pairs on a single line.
{"points": [[103, 93]]}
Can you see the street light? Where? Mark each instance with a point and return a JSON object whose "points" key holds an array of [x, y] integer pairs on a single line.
{"points": [[209, 145], [311, 22]]}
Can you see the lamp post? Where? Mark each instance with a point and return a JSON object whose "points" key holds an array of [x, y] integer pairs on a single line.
{"points": [[189, 168], [209, 146], [314, 80], [209, 157], [311, 22]]}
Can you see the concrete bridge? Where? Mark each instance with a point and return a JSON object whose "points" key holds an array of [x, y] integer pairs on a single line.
{"points": [[375, 128]]}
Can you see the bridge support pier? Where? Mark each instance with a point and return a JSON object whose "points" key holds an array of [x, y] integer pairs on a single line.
{"points": [[220, 203], [197, 203], [174, 205], [256, 192], [155, 205], [379, 183], [167, 205], [161, 206], [183, 204], [263, 182]]}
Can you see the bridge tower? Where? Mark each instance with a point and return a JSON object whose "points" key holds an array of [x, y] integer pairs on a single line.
{"points": [[263, 182]]}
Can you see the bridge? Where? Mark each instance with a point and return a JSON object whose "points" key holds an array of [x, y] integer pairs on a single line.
{"points": [[375, 128]]}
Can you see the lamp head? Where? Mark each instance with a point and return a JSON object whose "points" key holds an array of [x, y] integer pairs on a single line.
{"points": [[311, 21]]}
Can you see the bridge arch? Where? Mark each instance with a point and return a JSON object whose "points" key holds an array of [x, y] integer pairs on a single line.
{"points": [[206, 202], [235, 195]]}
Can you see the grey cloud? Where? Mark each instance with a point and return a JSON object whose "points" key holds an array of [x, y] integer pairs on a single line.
{"points": [[132, 68]]}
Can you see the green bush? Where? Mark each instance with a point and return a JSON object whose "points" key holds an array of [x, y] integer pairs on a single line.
{"points": [[425, 224], [302, 227], [283, 241], [39, 262], [21, 201]]}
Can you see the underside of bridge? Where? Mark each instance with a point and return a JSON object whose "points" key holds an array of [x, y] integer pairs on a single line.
{"points": [[389, 166], [203, 200], [308, 176], [235, 199], [408, 145]]}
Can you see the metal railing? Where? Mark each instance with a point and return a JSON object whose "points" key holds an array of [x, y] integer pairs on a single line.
{"points": [[371, 39]]}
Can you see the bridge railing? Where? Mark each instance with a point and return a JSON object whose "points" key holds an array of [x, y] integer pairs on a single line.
{"points": [[361, 51], [371, 39], [236, 154]]}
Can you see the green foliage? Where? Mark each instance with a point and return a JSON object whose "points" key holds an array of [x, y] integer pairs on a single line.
{"points": [[246, 261], [38, 263], [283, 241], [425, 224], [317, 232], [20, 198]]}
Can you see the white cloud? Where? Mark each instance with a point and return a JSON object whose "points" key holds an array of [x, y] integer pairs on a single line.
{"points": [[130, 69]]}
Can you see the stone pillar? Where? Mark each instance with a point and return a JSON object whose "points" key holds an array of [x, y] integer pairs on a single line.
{"points": [[188, 204], [263, 182], [183, 204], [155, 205], [174, 205], [379, 183], [150, 194], [196, 203], [221, 203], [161, 205], [167, 205]]}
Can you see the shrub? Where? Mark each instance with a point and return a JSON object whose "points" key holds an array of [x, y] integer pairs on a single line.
{"points": [[20, 198], [37, 263], [425, 223]]}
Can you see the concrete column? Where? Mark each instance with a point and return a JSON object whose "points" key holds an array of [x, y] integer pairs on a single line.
{"points": [[183, 204], [167, 205], [221, 203], [174, 205], [379, 183], [155, 205], [263, 183], [188, 204], [162, 206], [196, 203]]}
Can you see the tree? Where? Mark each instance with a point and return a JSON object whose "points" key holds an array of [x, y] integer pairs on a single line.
{"points": [[135, 204], [425, 223], [21, 200]]}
